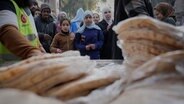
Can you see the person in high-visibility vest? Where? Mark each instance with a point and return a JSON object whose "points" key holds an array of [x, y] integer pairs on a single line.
{"points": [[18, 35]]}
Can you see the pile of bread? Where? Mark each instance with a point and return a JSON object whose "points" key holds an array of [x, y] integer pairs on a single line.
{"points": [[143, 38], [63, 76], [154, 49]]}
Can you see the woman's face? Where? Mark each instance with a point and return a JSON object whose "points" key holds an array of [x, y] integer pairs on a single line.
{"points": [[158, 15], [108, 15], [96, 18], [65, 26], [88, 20]]}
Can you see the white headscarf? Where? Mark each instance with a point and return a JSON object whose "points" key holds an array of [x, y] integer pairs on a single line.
{"points": [[106, 9], [79, 16], [91, 26]]}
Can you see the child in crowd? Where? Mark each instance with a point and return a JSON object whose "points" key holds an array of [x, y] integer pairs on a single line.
{"points": [[164, 12], [60, 16], [37, 12], [63, 41], [89, 37]]}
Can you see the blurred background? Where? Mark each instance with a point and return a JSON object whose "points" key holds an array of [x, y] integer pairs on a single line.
{"points": [[71, 6]]}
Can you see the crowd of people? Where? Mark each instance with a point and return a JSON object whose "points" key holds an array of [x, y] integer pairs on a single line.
{"points": [[86, 32]]}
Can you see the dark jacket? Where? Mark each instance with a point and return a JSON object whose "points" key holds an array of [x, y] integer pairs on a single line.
{"points": [[45, 27], [125, 9], [169, 20], [106, 50], [89, 36]]}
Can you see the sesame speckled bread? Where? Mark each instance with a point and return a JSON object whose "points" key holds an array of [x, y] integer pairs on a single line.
{"points": [[143, 38]]}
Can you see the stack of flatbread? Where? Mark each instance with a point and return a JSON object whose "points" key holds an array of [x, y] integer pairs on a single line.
{"points": [[159, 81], [62, 76], [143, 38]]}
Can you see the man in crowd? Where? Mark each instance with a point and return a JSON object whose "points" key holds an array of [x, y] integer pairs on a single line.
{"points": [[45, 26]]}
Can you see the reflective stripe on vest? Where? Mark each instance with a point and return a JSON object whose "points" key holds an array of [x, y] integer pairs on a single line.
{"points": [[25, 27]]}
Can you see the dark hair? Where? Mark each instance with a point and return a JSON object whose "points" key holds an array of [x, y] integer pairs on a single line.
{"points": [[61, 21], [38, 9]]}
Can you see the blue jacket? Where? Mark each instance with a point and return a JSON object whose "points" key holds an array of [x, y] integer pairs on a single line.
{"points": [[89, 36]]}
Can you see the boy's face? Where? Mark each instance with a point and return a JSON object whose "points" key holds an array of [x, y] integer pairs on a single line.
{"points": [[88, 20], [37, 13], [158, 15], [65, 26]]}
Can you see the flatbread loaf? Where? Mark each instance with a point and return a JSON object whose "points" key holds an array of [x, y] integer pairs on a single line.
{"points": [[143, 38]]}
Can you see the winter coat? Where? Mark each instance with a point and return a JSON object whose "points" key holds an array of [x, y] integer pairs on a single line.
{"points": [[45, 27], [62, 41], [169, 20], [106, 50], [89, 36]]}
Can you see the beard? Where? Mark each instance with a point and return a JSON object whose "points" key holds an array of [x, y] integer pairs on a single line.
{"points": [[24, 3]]}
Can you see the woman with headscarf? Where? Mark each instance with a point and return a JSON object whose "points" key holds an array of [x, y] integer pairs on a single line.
{"points": [[106, 26], [60, 16], [77, 20], [89, 37], [164, 12]]}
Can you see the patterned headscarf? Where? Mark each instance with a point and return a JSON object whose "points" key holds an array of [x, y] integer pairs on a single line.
{"points": [[165, 9]]}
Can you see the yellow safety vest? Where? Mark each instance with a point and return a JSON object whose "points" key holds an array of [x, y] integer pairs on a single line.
{"points": [[25, 27]]}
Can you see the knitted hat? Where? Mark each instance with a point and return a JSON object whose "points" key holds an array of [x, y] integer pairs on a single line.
{"points": [[45, 6]]}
